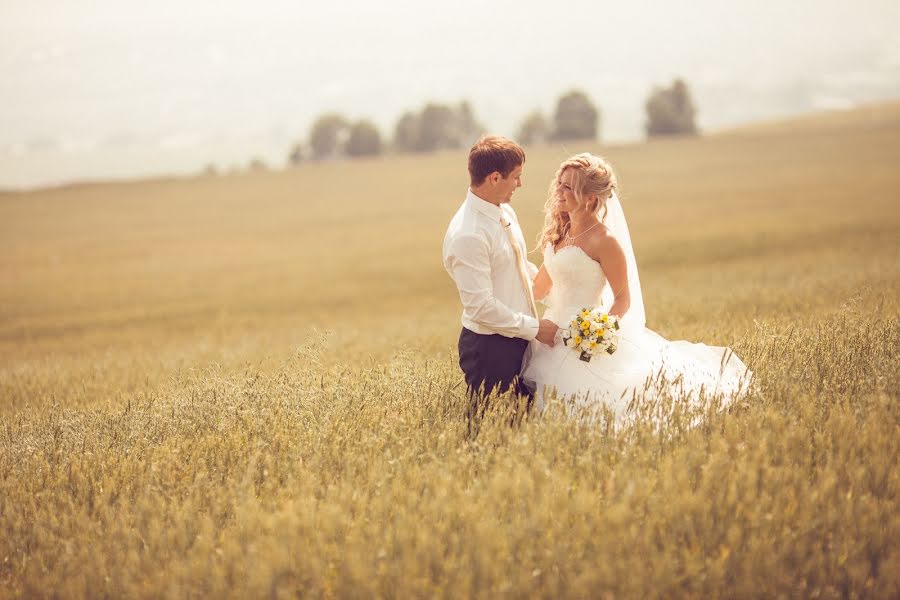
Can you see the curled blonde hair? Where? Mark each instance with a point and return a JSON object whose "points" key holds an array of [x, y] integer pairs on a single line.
{"points": [[593, 176]]}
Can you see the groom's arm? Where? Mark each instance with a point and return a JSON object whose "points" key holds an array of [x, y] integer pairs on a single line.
{"points": [[468, 262]]}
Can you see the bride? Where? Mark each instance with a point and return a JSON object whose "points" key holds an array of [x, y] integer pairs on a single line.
{"points": [[589, 262]]}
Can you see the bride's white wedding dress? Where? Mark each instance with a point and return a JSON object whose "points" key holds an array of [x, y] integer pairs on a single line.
{"points": [[644, 363]]}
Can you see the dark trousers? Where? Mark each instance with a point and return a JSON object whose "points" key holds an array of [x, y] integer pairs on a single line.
{"points": [[489, 363]]}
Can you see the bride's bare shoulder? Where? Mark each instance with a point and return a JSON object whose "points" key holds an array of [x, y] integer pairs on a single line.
{"points": [[603, 245]]}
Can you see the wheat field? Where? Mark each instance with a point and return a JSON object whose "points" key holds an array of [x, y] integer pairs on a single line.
{"points": [[246, 386]]}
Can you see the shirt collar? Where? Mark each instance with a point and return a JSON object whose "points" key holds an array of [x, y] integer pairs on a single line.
{"points": [[491, 211]]}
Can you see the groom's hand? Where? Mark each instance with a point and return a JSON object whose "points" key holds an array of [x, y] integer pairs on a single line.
{"points": [[547, 332]]}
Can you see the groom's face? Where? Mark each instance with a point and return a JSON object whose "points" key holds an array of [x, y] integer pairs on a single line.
{"points": [[509, 184]]}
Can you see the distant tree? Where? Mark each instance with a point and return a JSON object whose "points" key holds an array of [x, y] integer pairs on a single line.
{"points": [[211, 170], [327, 135], [534, 129], [576, 117], [670, 111], [469, 127], [406, 133], [297, 155], [363, 140], [436, 127], [257, 165]]}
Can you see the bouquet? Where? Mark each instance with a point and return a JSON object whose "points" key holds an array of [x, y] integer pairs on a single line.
{"points": [[592, 332]]}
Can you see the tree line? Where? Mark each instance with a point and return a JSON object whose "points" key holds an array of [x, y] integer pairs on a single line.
{"points": [[436, 126]]}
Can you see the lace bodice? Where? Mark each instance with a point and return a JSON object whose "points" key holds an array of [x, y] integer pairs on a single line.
{"points": [[578, 281], [679, 370]]}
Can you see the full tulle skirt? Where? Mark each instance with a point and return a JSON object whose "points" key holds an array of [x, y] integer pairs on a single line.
{"points": [[645, 367]]}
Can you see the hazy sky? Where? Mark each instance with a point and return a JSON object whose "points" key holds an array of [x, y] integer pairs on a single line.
{"points": [[118, 87]]}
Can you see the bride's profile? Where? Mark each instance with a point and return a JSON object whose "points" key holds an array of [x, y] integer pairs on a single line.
{"points": [[589, 263]]}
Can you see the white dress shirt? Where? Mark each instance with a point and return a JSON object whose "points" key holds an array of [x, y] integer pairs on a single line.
{"points": [[481, 261]]}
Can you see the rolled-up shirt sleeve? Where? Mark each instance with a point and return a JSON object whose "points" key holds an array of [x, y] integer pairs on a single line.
{"points": [[468, 262]]}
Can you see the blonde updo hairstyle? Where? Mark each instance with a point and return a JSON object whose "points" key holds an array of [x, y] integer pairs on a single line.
{"points": [[592, 176]]}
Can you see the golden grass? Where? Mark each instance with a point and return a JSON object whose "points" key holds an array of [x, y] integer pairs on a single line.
{"points": [[176, 422]]}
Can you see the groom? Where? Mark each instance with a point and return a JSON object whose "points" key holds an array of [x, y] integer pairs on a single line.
{"points": [[484, 253]]}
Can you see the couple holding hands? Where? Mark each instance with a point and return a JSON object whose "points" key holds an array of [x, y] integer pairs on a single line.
{"points": [[588, 265]]}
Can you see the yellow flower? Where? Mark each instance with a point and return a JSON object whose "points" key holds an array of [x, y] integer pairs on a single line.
{"points": [[585, 325], [585, 314], [604, 318], [600, 332], [577, 339]]}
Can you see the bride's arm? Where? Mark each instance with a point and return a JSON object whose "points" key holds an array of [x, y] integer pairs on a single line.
{"points": [[612, 259], [542, 283]]}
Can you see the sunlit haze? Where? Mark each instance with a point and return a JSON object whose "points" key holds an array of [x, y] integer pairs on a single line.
{"points": [[119, 88]]}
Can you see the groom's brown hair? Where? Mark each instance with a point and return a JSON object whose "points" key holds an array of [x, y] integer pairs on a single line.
{"points": [[493, 153]]}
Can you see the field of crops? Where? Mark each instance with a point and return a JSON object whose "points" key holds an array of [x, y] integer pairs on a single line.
{"points": [[247, 386]]}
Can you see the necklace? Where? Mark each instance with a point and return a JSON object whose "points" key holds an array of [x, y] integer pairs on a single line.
{"points": [[571, 238]]}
